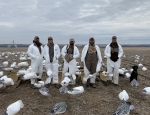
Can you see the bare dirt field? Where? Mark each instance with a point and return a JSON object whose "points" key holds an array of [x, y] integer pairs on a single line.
{"points": [[103, 100]]}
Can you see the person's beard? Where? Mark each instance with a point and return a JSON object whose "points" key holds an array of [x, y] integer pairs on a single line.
{"points": [[51, 43], [71, 44], [91, 43], [38, 43], [114, 44]]}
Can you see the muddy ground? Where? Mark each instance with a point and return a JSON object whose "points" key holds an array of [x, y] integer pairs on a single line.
{"points": [[103, 100]]}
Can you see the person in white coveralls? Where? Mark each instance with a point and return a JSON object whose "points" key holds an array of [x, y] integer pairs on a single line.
{"points": [[91, 58], [51, 55], [70, 53], [113, 52], [35, 51]]}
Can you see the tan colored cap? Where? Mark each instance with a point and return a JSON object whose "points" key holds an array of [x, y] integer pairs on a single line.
{"points": [[36, 37], [114, 37], [71, 40], [50, 37]]}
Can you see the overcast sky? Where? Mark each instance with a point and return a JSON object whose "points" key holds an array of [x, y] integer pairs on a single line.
{"points": [[21, 20]]}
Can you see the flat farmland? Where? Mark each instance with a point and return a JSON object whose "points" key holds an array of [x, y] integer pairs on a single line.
{"points": [[103, 100]]}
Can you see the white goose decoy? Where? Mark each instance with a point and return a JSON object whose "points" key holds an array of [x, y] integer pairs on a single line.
{"points": [[128, 75], [140, 65], [8, 68], [110, 74], [137, 58], [76, 90], [6, 57], [13, 53], [23, 64], [39, 84], [78, 73], [3, 53], [125, 69], [22, 58], [5, 63], [146, 90], [136, 61], [78, 67], [13, 64], [104, 73], [14, 108], [124, 109], [121, 71], [7, 81], [29, 58], [65, 81], [144, 69], [131, 70], [22, 72], [73, 77], [44, 91], [59, 108], [1, 73], [123, 96], [29, 76]]}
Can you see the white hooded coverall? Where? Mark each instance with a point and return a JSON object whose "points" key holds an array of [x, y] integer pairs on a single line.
{"points": [[72, 64], [113, 67], [86, 71], [36, 60], [54, 65]]}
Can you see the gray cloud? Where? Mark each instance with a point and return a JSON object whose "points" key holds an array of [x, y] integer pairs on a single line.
{"points": [[80, 19]]}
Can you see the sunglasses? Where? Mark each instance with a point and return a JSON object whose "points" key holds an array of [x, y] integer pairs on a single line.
{"points": [[50, 39]]}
